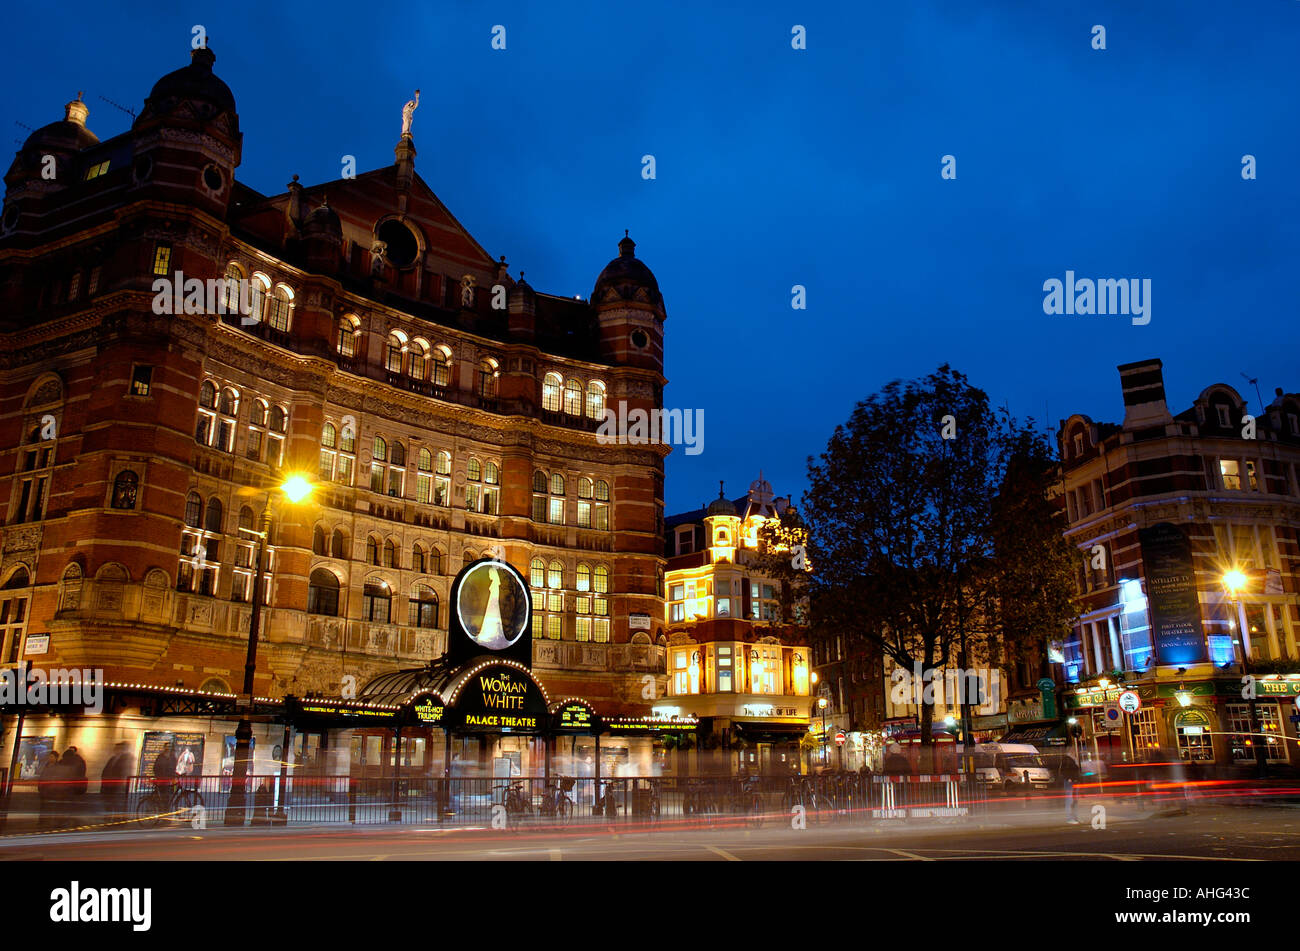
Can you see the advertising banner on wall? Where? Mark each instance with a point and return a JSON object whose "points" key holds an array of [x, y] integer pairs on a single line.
{"points": [[1174, 609]]}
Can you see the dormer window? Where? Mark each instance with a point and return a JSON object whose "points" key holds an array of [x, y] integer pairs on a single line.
{"points": [[1224, 419], [1078, 444]]}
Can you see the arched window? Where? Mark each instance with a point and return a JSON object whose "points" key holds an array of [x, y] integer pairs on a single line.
{"points": [[349, 330], [257, 290], [595, 400], [551, 392], [417, 558], [584, 577], [377, 602], [279, 419], [390, 555], [468, 558], [593, 515], [444, 463], [437, 561], [380, 453], [398, 454], [338, 544], [491, 474], [423, 607], [193, 510], [208, 395], [328, 441], [487, 379], [281, 308], [234, 277], [601, 579], [419, 359], [125, 487], [318, 541], [229, 401], [584, 488], [372, 550], [572, 397], [323, 593], [474, 471], [396, 346], [441, 375], [212, 521], [555, 575], [537, 573], [246, 518], [557, 484], [539, 481], [260, 413]]}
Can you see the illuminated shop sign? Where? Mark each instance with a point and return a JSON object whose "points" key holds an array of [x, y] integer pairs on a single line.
{"points": [[1172, 599], [490, 613], [345, 710], [575, 717], [649, 726]]}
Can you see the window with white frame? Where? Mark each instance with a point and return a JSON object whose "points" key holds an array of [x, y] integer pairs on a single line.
{"points": [[482, 487], [547, 584], [281, 308], [552, 384], [592, 603], [593, 504], [1242, 740], [548, 498], [1230, 473], [349, 332], [595, 400]]}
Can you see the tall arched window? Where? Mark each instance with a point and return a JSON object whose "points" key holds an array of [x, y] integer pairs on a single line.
{"points": [[396, 347], [328, 455], [233, 279], [193, 510], [318, 541], [423, 607], [338, 544], [572, 397], [441, 375], [212, 521], [487, 379], [551, 392], [323, 593], [258, 288], [417, 558], [390, 555], [418, 359], [349, 331], [281, 308], [377, 602], [372, 550], [595, 400], [424, 476]]}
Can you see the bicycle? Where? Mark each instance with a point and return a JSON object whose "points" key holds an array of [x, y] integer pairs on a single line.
{"points": [[749, 802], [607, 803], [516, 803], [177, 802], [557, 802]]}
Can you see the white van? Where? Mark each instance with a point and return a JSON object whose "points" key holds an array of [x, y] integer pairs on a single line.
{"points": [[1011, 766]]}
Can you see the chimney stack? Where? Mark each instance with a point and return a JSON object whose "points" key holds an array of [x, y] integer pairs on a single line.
{"points": [[1143, 384]]}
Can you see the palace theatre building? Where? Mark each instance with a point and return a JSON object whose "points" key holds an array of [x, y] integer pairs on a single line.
{"points": [[179, 347]]}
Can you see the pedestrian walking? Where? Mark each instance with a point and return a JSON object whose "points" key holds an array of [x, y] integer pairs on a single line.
{"points": [[115, 781], [74, 778], [49, 781], [1070, 776]]}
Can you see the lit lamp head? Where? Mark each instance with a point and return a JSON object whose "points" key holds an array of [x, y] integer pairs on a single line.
{"points": [[1184, 698], [1104, 683], [950, 721], [1234, 580], [296, 488], [821, 703], [815, 678]]}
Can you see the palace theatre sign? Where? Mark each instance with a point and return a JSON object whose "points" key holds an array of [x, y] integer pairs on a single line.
{"points": [[497, 697]]}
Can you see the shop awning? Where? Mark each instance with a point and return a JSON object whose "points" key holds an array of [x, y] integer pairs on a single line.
{"points": [[1042, 733]]}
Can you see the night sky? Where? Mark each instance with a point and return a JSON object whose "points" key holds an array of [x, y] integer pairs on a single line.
{"points": [[779, 167]]}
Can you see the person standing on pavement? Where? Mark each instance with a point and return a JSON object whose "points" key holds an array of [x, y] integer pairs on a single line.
{"points": [[115, 780], [74, 770]]}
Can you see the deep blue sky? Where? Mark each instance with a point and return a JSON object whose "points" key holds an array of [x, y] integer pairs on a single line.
{"points": [[778, 167]]}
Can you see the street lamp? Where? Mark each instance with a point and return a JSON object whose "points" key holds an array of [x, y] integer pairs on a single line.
{"points": [[821, 703], [1235, 580], [296, 488]]}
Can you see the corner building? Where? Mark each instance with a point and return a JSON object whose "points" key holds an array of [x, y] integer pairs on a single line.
{"points": [[1162, 507], [443, 409]]}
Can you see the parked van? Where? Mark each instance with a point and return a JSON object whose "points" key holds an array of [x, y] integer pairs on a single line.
{"points": [[1011, 766]]}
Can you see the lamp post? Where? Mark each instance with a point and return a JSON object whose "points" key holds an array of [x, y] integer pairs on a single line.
{"points": [[295, 488], [821, 703], [1235, 580]]}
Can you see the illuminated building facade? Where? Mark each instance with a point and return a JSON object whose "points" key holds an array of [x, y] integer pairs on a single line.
{"points": [[738, 649], [443, 408], [1163, 508]]}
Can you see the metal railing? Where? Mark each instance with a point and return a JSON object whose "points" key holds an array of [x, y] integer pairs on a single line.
{"points": [[516, 802]]}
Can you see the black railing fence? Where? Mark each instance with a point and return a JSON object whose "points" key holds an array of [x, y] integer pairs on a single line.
{"points": [[200, 801]]}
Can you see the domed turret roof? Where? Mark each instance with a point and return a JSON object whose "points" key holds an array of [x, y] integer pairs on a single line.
{"points": [[69, 134], [628, 276], [195, 83], [323, 221], [721, 505]]}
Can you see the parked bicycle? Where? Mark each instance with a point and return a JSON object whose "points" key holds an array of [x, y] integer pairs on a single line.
{"points": [[557, 803], [749, 801], [167, 802], [514, 799], [607, 802], [801, 792]]}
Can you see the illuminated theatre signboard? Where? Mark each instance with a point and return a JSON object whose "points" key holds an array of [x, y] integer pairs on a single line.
{"points": [[1175, 608], [499, 698], [574, 716]]}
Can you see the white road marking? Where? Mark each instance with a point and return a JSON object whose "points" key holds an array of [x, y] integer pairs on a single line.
{"points": [[722, 852]]}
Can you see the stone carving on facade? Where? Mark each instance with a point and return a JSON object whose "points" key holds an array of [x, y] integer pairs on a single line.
{"points": [[408, 114], [378, 258], [467, 290]]}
